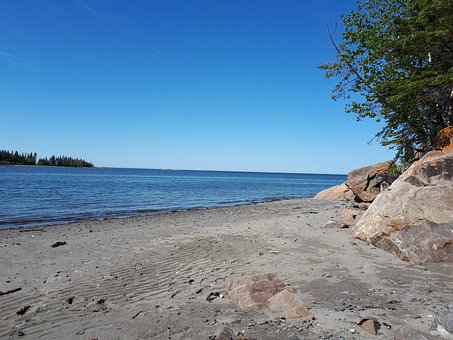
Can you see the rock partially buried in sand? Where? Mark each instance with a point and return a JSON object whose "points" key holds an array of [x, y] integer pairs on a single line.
{"points": [[23, 310], [348, 216], [287, 305], [336, 224], [59, 244], [404, 333], [414, 218], [253, 292], [443, 324], [265, 291], [371, 325], [367, 182], [225, 334]]}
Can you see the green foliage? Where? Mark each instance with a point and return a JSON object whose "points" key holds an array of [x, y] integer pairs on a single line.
{"points": [[395, 64], [14, 158], [395, 169], [65, 162]]}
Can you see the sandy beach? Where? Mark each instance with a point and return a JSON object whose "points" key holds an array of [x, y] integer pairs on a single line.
{"points": [[149, 277]]}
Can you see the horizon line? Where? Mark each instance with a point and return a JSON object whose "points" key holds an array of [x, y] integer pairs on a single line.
{"points": [[243, 171]]}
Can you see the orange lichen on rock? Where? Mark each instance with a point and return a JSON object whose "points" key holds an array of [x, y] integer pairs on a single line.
{"points": [[435, 153], [384, 166], [444, 140]]}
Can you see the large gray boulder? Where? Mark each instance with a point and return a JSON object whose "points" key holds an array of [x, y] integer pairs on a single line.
{"points": [[414, 218], [367, 182]]}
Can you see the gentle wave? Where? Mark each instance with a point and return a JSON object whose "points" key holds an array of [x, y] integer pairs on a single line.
{"points": [[34, 196]]}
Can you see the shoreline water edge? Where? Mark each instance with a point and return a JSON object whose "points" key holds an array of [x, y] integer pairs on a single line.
{"points": [[106, 216], [164, 276], [39, 196]]}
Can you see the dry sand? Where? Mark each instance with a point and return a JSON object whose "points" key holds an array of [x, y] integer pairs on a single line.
{"points": [[148, 277]]}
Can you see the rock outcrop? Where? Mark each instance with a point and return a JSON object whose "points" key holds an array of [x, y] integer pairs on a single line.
{"points": [[336, 193], [362, 185], [360, 189], [414, 218], [265, 291], [367, 182]]}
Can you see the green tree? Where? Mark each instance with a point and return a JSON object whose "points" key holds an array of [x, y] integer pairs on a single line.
{"points": [[14, 158], [395, 64]]}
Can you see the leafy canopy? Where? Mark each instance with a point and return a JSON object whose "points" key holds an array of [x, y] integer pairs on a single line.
{"points": [[395, 64]]}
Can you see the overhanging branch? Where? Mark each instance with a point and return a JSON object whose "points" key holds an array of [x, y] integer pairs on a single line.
{"points": [[347, 63]]}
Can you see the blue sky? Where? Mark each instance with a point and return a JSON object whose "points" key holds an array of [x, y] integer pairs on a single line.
{"points": [[187, 84]]}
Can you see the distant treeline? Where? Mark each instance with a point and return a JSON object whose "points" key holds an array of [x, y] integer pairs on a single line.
{"points": [[16, 158]]}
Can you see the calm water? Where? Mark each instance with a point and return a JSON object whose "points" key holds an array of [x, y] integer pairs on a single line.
{"points": [[42, 195]]}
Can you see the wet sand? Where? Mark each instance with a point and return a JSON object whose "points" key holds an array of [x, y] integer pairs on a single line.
{"points": [[149, 277]]}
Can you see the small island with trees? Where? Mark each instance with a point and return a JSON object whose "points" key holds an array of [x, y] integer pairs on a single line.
{"points": [[16, 158]]}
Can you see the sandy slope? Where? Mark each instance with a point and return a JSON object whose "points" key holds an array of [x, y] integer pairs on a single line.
{"points": [[148, 277]]}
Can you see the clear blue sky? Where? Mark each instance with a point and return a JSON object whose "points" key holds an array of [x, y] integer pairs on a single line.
{"points": [[187, 84]]}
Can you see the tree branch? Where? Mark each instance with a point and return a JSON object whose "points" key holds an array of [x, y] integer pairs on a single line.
{"points": [[347, 63]]}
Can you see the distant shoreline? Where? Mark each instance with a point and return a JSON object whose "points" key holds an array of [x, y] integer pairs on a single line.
{"points": [[51, 166], [31, 159]]}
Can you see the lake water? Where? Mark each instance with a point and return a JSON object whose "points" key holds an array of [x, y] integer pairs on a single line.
{"points": [[31, 196]]}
